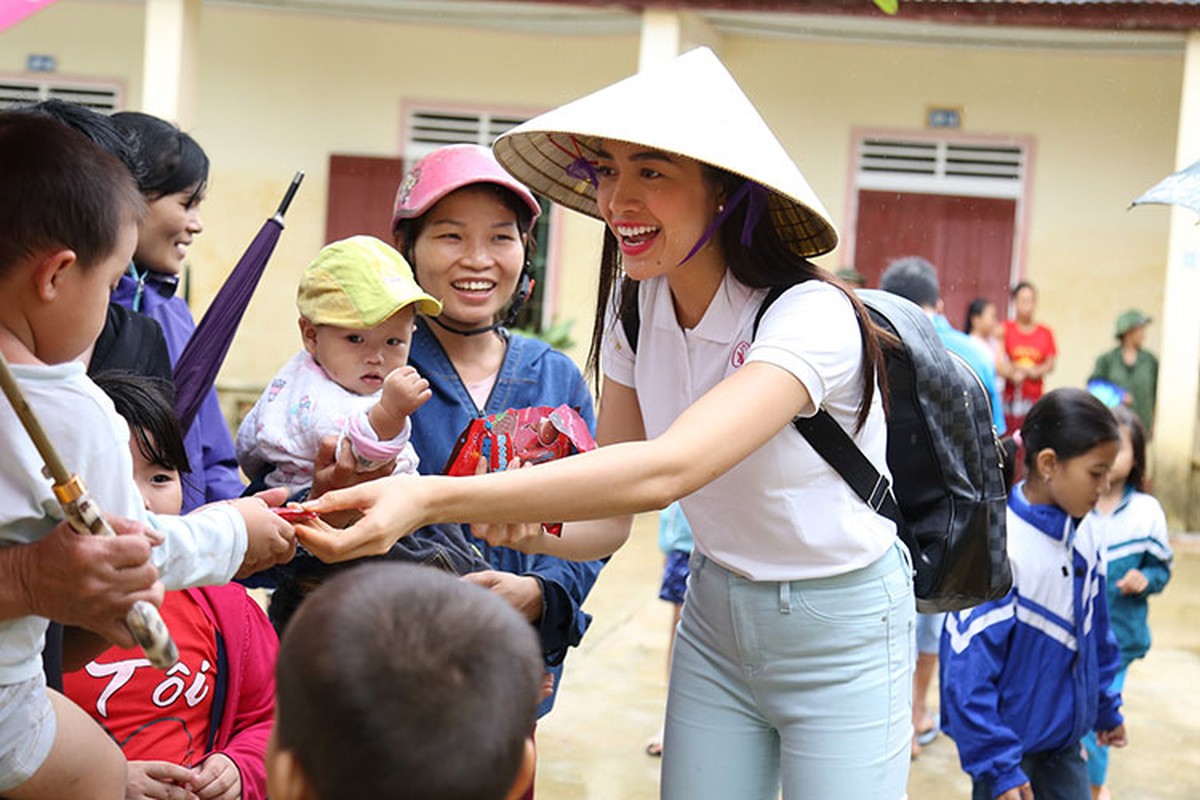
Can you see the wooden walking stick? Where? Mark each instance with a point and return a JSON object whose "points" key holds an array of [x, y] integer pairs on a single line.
{"points": [[143, 620]]}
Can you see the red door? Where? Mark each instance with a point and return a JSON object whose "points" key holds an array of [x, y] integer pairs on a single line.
{"points": [[361, 190], [968, 239]]}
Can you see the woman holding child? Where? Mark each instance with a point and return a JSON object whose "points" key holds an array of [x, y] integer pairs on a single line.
{"points": [[465, 226], [793, 661]]}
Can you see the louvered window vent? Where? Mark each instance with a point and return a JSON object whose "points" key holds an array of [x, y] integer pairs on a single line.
{"points": [[429, 130], [941, 167], [98, 97]]}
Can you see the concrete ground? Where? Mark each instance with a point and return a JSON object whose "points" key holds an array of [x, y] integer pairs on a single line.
{"points": [[591, 746]]}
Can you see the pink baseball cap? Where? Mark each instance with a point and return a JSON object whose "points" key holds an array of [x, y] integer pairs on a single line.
{"points": [[447, 169]]}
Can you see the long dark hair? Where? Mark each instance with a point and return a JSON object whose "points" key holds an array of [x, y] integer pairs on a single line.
{"points": [[145, 404], [1128, 419], [766, 263], [1068, 421], [168, 159], [974, 310]]}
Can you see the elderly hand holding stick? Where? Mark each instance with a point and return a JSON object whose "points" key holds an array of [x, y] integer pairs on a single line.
{"points": [[142, 619]]}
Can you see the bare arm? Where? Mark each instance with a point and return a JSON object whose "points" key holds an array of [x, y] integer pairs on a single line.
{"points": [[719, 430], [619, 420]]}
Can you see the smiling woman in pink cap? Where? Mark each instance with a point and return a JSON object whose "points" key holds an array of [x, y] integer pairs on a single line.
{"points": [[466, 227], [792, 666]]}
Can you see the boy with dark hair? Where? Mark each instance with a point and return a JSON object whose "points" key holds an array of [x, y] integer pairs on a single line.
{"points": [[68, 225], [399, 681]]}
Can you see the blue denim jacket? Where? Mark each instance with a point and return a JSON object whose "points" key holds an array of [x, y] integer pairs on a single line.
{"points": [[533, 374]]}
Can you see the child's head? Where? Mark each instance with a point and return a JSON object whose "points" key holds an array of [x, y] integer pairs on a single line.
{"points": [[155, 441], [1129, 469], [172, 172], [401, 681], [1070, 441], [68, 224], [357, 302]]}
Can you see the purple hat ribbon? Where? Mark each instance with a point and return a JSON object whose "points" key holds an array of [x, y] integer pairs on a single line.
{"points": [[581, 168], [754, 212]]}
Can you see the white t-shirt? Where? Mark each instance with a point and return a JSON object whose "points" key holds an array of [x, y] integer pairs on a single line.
{"points": [[782, 513], [301, 406], [204, 548]]}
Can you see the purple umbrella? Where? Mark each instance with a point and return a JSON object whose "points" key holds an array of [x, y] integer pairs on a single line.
{"points": [[198, 364]]}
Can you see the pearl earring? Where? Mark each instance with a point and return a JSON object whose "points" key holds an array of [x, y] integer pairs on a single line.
{"points": [[720, 208]]}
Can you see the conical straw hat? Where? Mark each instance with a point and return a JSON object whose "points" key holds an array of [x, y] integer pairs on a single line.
{"points": [[690, 106]]}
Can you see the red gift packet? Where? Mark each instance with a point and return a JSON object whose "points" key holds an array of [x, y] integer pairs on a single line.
{"points": [[534, 435]]}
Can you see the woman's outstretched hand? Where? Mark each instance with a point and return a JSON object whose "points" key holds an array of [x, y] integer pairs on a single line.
{"points": [[390, 509], [523, 536]]}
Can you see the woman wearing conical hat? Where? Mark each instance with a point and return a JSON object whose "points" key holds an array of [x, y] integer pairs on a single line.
{"points": [[793, 662]]}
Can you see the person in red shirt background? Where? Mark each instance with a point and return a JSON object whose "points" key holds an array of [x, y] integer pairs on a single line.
{"points": [[199, 730], [1029, 355]]}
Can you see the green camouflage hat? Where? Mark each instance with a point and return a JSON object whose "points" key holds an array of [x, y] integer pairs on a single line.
{"points": [[1129, 320]]}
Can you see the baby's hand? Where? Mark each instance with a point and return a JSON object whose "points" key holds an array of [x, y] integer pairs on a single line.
{"points": [[270, 539], [404, 391]]}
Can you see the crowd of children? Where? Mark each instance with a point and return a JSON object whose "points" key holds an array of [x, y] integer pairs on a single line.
{"points": [[430, 681]]}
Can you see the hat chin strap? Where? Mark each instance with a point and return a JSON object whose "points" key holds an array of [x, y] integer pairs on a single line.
{"points": [[524, 290], [472, 332]]}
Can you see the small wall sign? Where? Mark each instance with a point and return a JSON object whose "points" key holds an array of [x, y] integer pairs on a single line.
{"points": [[36, 62], [943, 117]]}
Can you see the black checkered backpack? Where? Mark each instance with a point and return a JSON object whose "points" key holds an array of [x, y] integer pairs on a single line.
{"points": [[949, 497]]}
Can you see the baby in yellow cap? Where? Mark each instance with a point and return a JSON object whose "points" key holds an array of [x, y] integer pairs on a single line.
{"points": [[357, 303]]}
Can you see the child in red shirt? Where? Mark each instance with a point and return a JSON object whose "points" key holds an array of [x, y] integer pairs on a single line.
{"points": [[204, 723], [1029, 355]]}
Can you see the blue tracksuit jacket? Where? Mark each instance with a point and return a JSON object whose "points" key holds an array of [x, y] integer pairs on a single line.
{"points": [[1031, 672]]}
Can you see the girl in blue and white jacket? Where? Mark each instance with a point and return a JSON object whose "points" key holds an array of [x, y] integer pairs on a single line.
{"points": [[1132, 530], [1024, 678]]}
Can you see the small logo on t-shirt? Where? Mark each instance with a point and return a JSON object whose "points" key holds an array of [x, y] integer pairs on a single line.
{"points": [[739, 354]]}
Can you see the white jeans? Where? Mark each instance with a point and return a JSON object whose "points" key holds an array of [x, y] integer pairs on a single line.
{"points": [[801, 684]]}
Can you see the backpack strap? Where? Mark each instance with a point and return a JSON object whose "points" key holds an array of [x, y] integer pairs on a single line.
{"points": [[631, 321], [832, 443]]}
